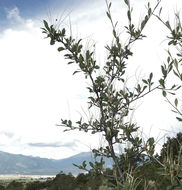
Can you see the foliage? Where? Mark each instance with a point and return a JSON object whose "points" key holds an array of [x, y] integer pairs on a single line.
{"points": [[113, 98], [2, 187], [172, 147], [174, 60], [81, 181], [171, 156], [62, 182], [37, 185], [14, 185]]}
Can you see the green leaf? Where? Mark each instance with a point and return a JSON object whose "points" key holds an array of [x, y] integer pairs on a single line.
{"points": [[151, 141], [160, 11], [168, 25], [151, 76], [146, 19], [170, 68], [171, 42], [70, 123], [164, 72], [168, 59], [79, 48], [161, 81], [61, 49], [144, 81], [179, 119], [92, 98], [176, 102], [164, 93], [174, 111], [91, 164], [149, 11], [114, 33], [84, 164], [126, 1], [108, 15], [142, 25], [129, 15], [70, 62], [63, 31], [76, 72], [80, 167], [81, 59], [148, 4], [144, 88], [52, 42], [46, 25], [176, 73], [97, 67], [176, 63], [87, 54], [179, 55]]}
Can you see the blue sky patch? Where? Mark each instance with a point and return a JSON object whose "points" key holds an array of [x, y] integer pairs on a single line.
{"points": [[28, 9]]}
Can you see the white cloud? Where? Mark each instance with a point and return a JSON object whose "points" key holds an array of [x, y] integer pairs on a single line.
{"points": [[14, 15], [37, 90]]}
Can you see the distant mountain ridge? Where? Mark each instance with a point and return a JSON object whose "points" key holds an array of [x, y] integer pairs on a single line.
{"points": [[29, 165]]}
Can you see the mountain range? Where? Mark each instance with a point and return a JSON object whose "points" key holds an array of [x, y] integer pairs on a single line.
{"points": [[29, 165]]}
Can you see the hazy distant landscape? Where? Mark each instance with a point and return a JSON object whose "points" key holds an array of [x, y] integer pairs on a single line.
{"points": [[28, 165], [19, 172]]}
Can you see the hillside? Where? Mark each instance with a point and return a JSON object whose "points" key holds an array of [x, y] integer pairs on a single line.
{"points": [[28, 165]]}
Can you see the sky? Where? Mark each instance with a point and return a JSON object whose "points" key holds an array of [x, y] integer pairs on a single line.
{"points": [[37, 88]]}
